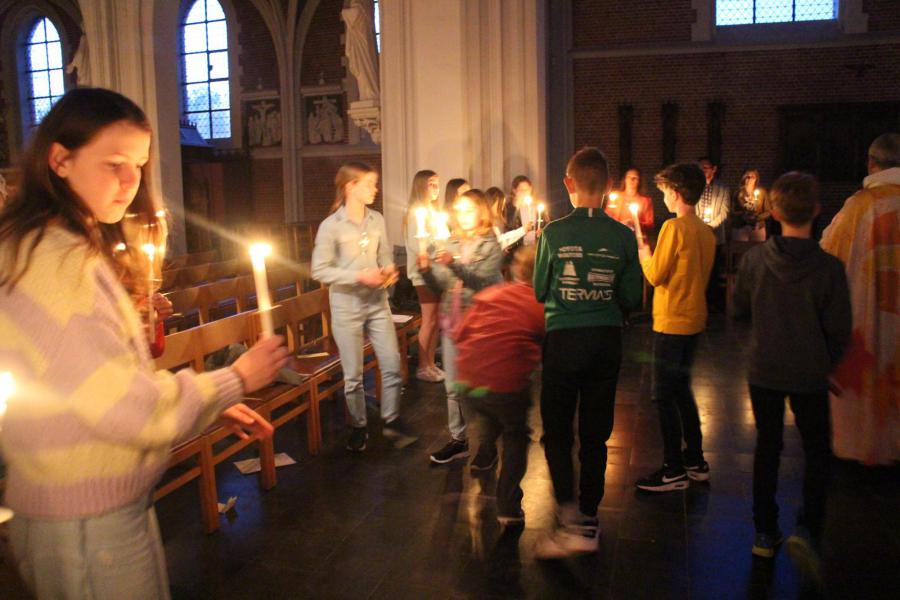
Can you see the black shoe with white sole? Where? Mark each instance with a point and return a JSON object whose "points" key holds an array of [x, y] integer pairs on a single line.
{"points": [[667, 479], [697, 472], [358, 438], [453, 450]]}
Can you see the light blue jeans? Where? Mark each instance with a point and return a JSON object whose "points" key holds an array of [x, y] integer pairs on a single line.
{"points": [[352, 315], [117, 555], [456, 420]]}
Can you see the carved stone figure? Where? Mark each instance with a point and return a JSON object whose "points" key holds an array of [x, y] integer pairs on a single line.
{"points": [[359, 46]]}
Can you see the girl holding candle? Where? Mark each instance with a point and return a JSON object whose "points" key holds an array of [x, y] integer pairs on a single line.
{"points": [[424, 194], [497, 201], [629, 194], [470, 262], [749, 209], [353, 257], [86, 384]]}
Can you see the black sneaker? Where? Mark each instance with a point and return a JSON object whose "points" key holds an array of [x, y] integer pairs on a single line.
{"points": [[453, 450], [399, 435], [357, 441], [765, 544], [666, 479], [698, 472], [484, 460]]}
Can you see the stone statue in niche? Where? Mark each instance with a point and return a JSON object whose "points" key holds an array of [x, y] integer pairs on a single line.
{"points": [[359, 47], [324, 122], [263, 123]]}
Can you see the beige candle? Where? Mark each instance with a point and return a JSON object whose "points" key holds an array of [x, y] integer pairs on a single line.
{"points": [[150, 251], [634, 207], [421, 232], [258, 254], [540, 210]]}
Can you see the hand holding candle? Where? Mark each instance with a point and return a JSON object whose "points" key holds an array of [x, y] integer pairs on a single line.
{"points": [[258, 254], [634, 207], [540, 210], [441, 230]]}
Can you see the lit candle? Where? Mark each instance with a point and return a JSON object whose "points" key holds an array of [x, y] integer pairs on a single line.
{"points": [[7, 389], [441, 230], [528, 216], [258, 254], [634, 207], [756, 199], [707, 214], [540, 209], [150, 251], [613, 197], [120, 247], [421, 232]]}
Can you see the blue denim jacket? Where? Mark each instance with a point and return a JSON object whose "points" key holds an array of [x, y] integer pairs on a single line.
{"points": [[344, 248]]}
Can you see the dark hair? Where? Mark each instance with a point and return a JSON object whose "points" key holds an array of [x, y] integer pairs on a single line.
{"points": [[518, 179], [685, 178], [796, 197], [44, 197], [452, 189], [707, 159], [347, 173], [590, 170], [497, 201], [418, 191], [625, 174]]}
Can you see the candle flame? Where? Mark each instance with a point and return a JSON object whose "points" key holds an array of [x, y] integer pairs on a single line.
{"points": [[260, 250], [527, 200], [160, 214], [541, 208], [149, 250], [613, 196], [634, 207], [120, 247]]}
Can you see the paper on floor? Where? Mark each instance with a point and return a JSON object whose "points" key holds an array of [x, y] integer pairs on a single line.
{"points": [[251, 465], [229, 504]]}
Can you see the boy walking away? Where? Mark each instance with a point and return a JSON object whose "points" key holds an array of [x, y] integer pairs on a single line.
{"points": [[796, 296], [498, 347], [585, 273], [679, 270]]}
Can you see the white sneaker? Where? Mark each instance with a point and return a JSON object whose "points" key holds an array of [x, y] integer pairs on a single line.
{"points": [[426, 374], [569, 540]]}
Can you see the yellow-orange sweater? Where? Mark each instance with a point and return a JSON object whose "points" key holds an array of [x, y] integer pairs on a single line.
{"points": [[679, 270]]}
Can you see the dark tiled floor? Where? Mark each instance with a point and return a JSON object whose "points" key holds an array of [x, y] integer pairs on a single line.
{"points": [[387, 524]]}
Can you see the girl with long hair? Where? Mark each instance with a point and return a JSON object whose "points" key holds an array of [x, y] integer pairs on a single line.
{"points": [[498, 202], [87, 434], [455, 188], [749, 209], [424, 193], [470, 262], [353, 257], [628, 193]]}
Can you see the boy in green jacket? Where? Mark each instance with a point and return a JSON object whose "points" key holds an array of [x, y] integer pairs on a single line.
{"points": [[586, 273]]}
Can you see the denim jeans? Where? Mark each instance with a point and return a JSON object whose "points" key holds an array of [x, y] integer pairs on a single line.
{"points": [[115, 555], [506, 415], [812, 416], [456, 419], [352, 315], [673, 356], [581, 369]]}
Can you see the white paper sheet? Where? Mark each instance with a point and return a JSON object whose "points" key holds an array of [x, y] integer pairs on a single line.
{"points": [[251, 465], [401, 319]]}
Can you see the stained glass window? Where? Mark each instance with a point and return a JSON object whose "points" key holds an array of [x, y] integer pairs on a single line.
{"points": [[44, 79], [377, 25], [206, 93], [748, 12]]}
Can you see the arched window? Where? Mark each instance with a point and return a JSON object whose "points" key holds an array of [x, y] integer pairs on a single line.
{"points": [[206, 94], [746, 12], [377, 11], [43, 79]]}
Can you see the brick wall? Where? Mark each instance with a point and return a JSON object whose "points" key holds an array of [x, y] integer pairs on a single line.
{"points": [[884, 15], [259, 66], [603, 23], [267, 190], [318, 182], [323, 49], [751, 84]]}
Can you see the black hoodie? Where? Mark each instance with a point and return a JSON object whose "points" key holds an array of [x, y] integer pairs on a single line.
{"points": [[797, 298]]}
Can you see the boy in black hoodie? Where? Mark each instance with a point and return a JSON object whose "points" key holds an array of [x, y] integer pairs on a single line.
{"points": [[797, 298]]}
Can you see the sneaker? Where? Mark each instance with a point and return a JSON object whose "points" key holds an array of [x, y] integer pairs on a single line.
{"points": [[698, 472], [357, 441], [426, 374], [567, 540], [665, 480], [802, 550], [399, 435], [765, 544], [437, 372], [453, 450], [484, 460]]}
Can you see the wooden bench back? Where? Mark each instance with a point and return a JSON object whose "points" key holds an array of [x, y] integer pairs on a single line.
{"points": [[192, 346]]}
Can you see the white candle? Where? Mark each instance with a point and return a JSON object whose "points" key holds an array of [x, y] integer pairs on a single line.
{"points": [[258, 254], [150, 251], [421, 233], [613, 197], [7, 389], [707, 214], [441, 230], [634, 207], [528, 216], [540, 209]]}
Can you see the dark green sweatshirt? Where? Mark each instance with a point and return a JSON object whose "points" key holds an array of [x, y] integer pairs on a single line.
{"points": [[587, 270]]}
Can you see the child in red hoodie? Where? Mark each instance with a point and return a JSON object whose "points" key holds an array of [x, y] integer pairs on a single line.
{"points": [[498, 346]]}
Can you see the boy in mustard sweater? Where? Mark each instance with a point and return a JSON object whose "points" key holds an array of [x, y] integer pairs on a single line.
{"points": [[679, 270]]}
